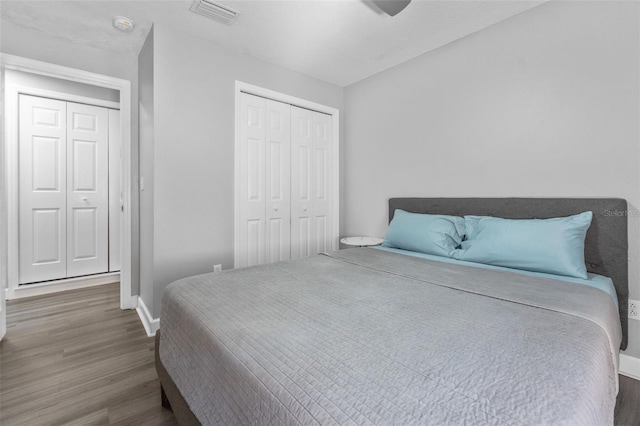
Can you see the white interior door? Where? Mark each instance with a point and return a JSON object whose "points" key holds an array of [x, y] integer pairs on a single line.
{"points": [[302, 235], [251, 214], [42, 189], [277, 181], [115, 192], [88, 189], [322, 172]]}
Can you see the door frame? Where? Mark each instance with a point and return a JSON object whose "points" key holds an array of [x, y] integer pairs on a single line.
{"points": [[241, 87], [17, 63]]}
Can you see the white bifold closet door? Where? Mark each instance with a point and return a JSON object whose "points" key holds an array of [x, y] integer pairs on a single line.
{"points": [[310, 185], [87, 189], [284, 162], [63, 189], [265, 202], [42, 189]]}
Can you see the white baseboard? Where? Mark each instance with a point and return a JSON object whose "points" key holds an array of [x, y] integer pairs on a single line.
{"points": [[151, 325], [49, 287], [630, 366]]}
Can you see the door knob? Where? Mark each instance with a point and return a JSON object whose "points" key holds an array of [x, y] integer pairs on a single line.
{"points": [[304, 209], [275, 208], [84, 198]]}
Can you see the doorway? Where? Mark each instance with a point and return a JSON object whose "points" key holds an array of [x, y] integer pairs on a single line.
{"points": [[10, 261]]}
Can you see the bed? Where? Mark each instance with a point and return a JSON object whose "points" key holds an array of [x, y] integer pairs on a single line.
{"points": [[370, 336]]}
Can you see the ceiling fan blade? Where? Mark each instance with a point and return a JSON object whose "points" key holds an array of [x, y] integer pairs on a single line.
{"points": [[392, 7]]}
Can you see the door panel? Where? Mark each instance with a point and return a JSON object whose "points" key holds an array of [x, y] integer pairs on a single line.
{"points": [[304, 173], [278, 181], [311, 166], [46, 237], [85, 231], [85, 162], [321, 234], [42, 189], [254, 242], [251, 205], [46, 166], [322, 172], [88, 190], [303, 236], [302, 240]]}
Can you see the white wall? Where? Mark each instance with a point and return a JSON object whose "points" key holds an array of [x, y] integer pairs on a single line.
{"points": [[62, 86], [146, 123], [21, 41], [4, 213], [40, 46], [544, 104], [194, 110]]}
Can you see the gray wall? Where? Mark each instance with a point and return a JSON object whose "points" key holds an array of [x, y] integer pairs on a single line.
{"points": [[543, 104], [145, 98], [62, 86], [194, 116], [38, 45], [4, 212], [43, 47]]}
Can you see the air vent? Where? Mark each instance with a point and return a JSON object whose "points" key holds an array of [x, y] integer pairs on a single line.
{"points": [[214, 10]]}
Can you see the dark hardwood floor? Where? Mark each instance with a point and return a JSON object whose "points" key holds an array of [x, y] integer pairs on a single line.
{"points": [[76, 358], [628, 403]]}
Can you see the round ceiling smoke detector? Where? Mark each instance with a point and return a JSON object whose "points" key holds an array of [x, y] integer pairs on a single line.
{"points": [[123, 24]]}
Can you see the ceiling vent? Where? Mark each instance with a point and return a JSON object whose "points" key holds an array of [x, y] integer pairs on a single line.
{"points": [[214, 10]]}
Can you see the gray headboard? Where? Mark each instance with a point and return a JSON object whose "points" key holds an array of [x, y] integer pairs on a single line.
{"points": [[606, 248]]}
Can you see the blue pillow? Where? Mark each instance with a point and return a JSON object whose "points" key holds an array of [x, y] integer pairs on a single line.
{"points": [[424, 233], [554, 246]]}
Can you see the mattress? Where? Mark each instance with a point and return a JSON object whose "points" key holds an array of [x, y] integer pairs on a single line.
{"points": [[365, 336], [593, 280]]}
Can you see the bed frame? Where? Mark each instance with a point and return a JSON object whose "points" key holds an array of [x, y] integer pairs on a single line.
{"points": [[606, 252]]}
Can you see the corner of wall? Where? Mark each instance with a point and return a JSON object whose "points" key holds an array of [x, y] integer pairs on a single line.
{"points": [[146, 171], [150, 324]]}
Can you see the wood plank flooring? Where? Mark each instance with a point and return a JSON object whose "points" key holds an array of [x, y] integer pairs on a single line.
{"points": [[628, 404], [76, 358]]}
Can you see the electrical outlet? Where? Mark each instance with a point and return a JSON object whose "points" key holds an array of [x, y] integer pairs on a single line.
{"points": [[634, 309], [217, 268]]}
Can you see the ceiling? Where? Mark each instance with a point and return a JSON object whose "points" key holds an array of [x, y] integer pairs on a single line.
{"points": [[337, 41]]}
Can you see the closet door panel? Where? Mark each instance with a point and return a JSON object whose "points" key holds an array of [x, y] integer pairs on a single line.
{"points": [[87, 153], [322, 172], [302, 221], [278, 181], [42, 189], [251, 206]]}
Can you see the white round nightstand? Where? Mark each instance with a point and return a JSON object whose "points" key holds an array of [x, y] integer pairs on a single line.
{"points": [[361, 241]]}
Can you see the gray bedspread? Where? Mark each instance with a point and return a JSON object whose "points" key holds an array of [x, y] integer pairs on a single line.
{"points": [[363, 336]]}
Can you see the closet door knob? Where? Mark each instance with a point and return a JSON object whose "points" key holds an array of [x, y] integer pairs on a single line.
{"points": [[275, 208], [84, 198], [304, 209]]}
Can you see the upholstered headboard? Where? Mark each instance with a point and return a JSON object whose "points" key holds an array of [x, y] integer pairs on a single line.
{"points": [[606, 248]]}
